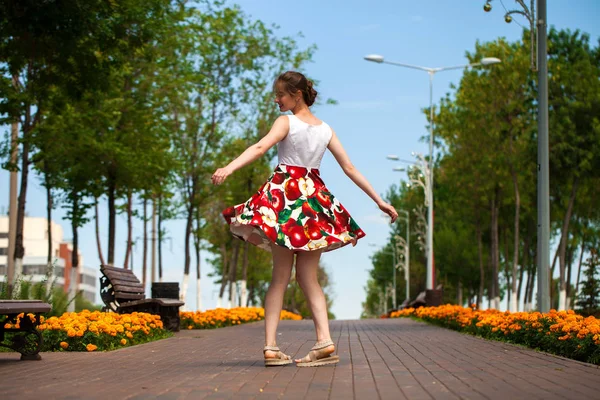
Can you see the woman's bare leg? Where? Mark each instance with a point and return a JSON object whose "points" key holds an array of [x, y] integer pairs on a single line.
{"points": [[283, 260], [307, 265]]}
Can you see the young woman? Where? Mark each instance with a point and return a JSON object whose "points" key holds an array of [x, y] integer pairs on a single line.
{"points": [[294, 214]]}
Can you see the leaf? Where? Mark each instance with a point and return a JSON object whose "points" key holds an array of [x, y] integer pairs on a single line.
{"points": [[314, 204], [284, 216], [280, 238], [297, 204]]}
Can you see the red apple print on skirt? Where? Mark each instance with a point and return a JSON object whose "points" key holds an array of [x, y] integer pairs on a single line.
{"points": [[293, 209]]}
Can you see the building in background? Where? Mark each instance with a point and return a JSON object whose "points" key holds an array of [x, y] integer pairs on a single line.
{"points": [[35, 240]]}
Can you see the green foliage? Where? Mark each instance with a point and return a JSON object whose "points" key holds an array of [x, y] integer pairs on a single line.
{"points": [[538, 331], [137, 100], [588, 301], [485, 171]]}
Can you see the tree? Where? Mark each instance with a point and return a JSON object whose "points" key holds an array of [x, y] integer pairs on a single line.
{"points": [[485, 131], [588, 300], [574, 95]]}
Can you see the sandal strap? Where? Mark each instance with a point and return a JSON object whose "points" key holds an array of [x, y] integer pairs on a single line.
{"points": [[323, 344], [271, 348]]}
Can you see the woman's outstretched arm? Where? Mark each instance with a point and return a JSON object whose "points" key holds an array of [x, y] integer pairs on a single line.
{"points": [[336, 148], [278, 132]]}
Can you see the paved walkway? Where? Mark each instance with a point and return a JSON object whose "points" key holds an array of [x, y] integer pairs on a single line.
{"points": [[387, 359]]}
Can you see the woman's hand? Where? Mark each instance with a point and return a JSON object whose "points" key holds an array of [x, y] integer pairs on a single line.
{"points": [[220, 175], [389, 210]]}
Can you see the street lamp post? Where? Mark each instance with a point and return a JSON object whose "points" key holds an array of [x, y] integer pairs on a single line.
{"points": [[405, 243], [396, 258], [421, 179], [431, 71], [539, 25], [399, 241]]}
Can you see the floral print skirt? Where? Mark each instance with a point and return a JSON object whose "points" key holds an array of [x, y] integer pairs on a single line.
{"points": [[293, 209]]}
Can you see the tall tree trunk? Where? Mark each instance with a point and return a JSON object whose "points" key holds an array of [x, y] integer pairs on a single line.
{"points": [[112, 219], [48, 216], [514, 304], [459, 294], [49, 228], [244, 280], [495, 251], [188, 234], [19, 246], [243, 283], [562, 299], [232, 272], [524, 266], [569, 270], [98, 243], [250, 301], [12, 203], [160, 239], [198, 271], [527, 283], [533, 269], [129, 229], [552, 268], [74, 275], [481, 267], [507, 267], [581, 252], [224, 274], [145, 243], [233, 279], [153, 256]]}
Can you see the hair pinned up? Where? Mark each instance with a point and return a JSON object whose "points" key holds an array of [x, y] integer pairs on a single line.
{"points": [[294, 81]]}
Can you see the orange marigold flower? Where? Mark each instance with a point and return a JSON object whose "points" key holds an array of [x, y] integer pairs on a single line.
{"points": [[91, 347], [64, 345]]}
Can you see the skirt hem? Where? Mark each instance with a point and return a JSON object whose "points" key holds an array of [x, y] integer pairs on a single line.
{"points": [[266, 241]]}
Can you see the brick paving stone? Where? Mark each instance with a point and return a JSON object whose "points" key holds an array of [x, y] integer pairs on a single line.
{"points": [[380, 359]]}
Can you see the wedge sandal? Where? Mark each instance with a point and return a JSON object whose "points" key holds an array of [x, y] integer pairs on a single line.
{"points": [[279, 359], [318, 356]]}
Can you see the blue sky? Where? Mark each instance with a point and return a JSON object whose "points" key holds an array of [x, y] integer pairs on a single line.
{"points": [[379, 110]]}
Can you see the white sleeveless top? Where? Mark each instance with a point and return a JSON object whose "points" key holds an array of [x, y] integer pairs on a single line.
{"points": [[304, 144]]}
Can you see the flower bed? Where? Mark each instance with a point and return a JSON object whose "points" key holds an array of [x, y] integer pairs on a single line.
{"points": [[220, 317], [563, 333], [90, 331]]}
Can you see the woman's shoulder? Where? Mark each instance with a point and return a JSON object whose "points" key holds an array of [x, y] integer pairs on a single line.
{"points": [[283, 121]]}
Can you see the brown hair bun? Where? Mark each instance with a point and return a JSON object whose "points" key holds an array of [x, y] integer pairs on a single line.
{"points": [[293, 81]]}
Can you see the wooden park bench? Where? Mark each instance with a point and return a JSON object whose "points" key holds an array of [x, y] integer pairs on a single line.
{"points": [[123, 293], [25, 339]]}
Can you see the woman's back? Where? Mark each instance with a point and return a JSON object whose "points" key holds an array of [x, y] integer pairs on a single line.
{"points": [[304, 144]]}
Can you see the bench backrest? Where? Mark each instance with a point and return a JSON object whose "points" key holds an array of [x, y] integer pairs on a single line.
{"points": [[125, 284]]}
